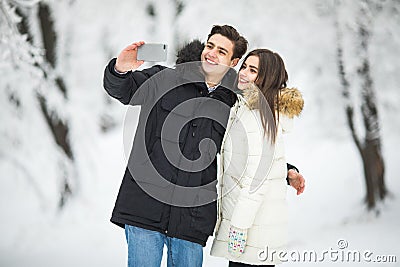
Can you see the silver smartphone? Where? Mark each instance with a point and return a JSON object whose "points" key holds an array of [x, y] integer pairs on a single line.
{"points": [[152, 52]]}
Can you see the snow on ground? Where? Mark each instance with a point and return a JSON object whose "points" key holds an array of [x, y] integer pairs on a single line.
{"points": [[329, 210]]}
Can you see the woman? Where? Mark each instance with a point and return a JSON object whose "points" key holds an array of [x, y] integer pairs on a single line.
{"points": [[252, 210]]}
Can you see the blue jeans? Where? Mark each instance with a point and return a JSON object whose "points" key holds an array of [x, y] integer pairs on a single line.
{"points": [[145, 248]]}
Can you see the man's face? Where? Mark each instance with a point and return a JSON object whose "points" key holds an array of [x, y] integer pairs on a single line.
{"points": [[217, 55]]}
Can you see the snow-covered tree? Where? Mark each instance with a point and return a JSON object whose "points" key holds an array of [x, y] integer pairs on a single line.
{"points": [[31, 81], [354, 70]]}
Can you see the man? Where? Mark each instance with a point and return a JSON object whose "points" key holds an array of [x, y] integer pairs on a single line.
{"points": [[169, 198]]}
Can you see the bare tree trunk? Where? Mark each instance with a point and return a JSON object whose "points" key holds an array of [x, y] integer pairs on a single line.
{"points": [[372, 155], [374, 173]]}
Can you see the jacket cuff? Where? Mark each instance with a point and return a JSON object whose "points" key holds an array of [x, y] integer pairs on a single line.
{"points": [[290, 167], [111, 68]]}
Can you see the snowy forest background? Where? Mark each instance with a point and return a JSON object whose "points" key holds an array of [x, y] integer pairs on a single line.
{"points": [[61, 149]]}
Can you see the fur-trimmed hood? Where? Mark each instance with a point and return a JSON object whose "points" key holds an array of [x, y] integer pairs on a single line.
{"points": [[190, 52], [290, 100]]}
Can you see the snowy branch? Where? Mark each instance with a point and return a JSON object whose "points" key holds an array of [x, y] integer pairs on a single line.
{"points": [[344, 81], [14, 45], [25, 3]]}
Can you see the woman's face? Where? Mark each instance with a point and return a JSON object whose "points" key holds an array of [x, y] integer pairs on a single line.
{"points": [[248, 72]]}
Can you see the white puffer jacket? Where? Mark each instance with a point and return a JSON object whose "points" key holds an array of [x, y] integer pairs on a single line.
{"points": [[252, 180]]}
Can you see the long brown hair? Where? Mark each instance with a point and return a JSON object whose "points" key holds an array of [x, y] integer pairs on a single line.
{"points": [[271, 78]]}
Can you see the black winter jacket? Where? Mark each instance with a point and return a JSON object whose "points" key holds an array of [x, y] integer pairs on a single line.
{"points": [[153, 192]]}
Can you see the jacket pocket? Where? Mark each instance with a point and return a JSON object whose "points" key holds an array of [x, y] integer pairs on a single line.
{"points": [[135, 200], [172, 103], [174, 120], [155, 170], [150, 185], [204, 218]]}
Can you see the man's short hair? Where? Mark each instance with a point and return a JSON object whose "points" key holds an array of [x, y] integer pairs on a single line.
{"points": [[239, 42]]}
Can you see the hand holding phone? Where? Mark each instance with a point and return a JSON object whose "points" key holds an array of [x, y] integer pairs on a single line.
{"points": [[152, 52], [127, 59]]}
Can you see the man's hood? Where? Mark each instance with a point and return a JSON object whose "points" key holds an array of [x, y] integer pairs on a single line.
{"points": [[190, 52]]}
